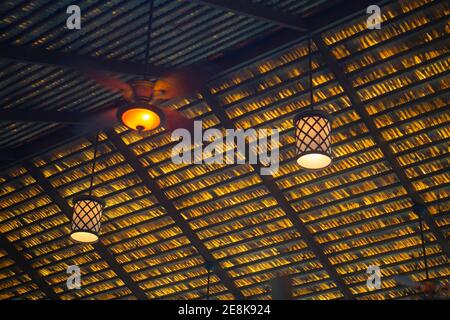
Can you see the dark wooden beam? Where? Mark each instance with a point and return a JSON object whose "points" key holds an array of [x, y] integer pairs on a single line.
{"points": [[257, 11], [367, 119], [33, 55], [101, 249], [134, 162], [277, 193], [310, 21], [252, 51], [26, 267], [314, 20]]}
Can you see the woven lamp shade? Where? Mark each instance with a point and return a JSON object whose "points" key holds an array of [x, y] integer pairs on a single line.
{"points": [[87, 214], [313, 139]]}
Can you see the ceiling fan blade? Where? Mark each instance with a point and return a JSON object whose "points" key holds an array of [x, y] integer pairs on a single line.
{"points": [[183, 82], [406, 281], [111, 83], [106, 80], [175, 120]]}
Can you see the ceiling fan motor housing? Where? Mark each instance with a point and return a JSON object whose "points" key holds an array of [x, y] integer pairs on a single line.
{"points": [[142, 89]]}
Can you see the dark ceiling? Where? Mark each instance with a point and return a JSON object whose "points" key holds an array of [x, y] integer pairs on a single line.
{"points": [[386, 89]]}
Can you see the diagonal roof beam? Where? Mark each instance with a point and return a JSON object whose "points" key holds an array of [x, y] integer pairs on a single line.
{"points": [[134, 162], [58, 136], [25, 265], [277, 193], [52, 140], [342, 79], [260, 12], [357, 104], [323, 16], [28, 54], [100, 248], [6, 154]]}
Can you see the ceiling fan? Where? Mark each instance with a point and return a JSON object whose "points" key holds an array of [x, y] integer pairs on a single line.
{"points": [[427, 289], [140, 106]]}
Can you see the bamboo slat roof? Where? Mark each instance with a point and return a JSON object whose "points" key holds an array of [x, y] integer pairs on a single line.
{"points": [[358, 211]]}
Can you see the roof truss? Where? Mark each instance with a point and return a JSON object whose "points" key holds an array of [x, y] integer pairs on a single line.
{"points": [[290, 21], [131, 158], [231, 61]]}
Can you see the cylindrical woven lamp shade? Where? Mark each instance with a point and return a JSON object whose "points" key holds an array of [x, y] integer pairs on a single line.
{"points": [[313, 139], [87, 214]]}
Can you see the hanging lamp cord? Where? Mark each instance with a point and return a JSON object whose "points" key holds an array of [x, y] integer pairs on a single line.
{"points": [[147, 47], [311, 99], [94, 162]]}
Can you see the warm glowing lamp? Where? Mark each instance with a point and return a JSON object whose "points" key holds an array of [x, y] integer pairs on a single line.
{"points": [[87, 211], [87, 214], [141, 117], [313, 139], [312, 132]]}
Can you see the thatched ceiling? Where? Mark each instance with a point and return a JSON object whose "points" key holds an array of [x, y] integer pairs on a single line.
{"points": [[387, 91]]}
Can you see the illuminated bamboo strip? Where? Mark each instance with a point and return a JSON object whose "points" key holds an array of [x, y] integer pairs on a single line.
{"points": [[339, 50], [410, 244], [25, 265], [434, 270]]}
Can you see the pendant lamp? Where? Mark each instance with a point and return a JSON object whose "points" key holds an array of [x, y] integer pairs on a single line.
{"points": [[312, 133], [87, 212]]}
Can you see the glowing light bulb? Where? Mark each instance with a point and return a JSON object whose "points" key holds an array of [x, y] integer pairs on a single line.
{"points": [[141, 119]]}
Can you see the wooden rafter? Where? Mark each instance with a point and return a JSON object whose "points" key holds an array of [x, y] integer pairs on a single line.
{"points": [[260, 12], [232, 62], [227, 62]]}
